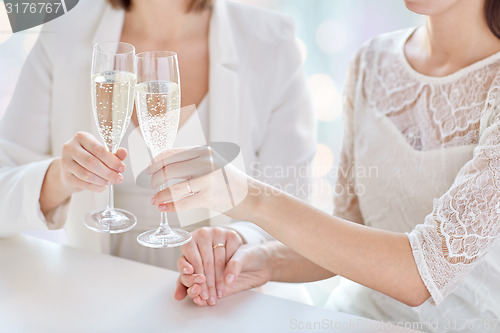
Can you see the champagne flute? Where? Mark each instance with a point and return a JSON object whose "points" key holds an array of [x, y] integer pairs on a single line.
{"points": [[113, 88], [158, 109]]}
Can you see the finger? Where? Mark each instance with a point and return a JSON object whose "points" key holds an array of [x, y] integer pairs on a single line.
{"points": [[209, 191], [82, 185], [234, 266], [196, 200], [182, 170], [186, 194], [194, 291], [233, 242], [190, 280], [183, 266], [162, 196], [192, 262], [192, 256], [206, 251], [121, 153], [94, 147], [175, 191], [173, 155], [180, 291], [85, 175], [220, 265], [187, 169], [96, 166], [199, 301]]}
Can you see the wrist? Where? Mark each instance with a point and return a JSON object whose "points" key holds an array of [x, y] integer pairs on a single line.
{"points": [[247, 209], [272, 260], [65, 190], [54, 190], [261, 204]]}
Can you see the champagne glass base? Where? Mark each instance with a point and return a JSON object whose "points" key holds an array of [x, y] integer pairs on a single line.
{"points": [[152, 238], [121, 222]]}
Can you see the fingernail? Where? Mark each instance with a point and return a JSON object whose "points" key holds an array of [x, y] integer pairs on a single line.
{"points": [[162, 207], [219, 293], [211, 301], [192, 291], [153, 200], [119, 179], [121, 168], [229, 278], [184, 270], [198, 280], [204, 295]]}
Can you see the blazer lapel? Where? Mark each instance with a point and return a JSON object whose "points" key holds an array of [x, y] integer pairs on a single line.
{"points": [[224, 80], [110, 26]]}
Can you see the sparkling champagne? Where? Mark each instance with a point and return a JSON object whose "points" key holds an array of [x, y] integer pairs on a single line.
{"points": [[113, 100], [158, 110]]}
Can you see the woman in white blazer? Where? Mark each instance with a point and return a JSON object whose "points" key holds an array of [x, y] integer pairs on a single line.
{"points": [[253, 93]]}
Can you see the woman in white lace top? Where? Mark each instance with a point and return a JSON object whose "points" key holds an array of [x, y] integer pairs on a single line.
{"points": [[420, 171]]}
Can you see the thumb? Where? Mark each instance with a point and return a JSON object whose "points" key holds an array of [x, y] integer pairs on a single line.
{"points": [[234, 266], [121, 153], [180, 291]]}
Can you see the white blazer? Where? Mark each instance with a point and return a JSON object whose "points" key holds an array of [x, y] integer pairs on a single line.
{"points": [[259, 99]]}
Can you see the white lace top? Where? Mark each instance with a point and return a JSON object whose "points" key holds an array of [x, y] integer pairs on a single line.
{"points": [[435, 144]]}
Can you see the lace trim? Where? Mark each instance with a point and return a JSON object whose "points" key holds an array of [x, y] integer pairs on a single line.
{"points": [[423, 268], [430, 116]]}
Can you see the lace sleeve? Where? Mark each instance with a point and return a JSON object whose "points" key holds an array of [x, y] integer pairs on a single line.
{"points": [[345, 203], [464, 223]]}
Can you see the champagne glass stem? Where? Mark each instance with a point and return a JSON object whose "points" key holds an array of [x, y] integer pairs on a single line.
{"points": [[164, 228], [110, 206], [110, 212]]}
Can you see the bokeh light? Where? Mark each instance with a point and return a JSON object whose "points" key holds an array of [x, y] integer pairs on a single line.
{"points": [[331, 36], [327, 99], [323, 161]]}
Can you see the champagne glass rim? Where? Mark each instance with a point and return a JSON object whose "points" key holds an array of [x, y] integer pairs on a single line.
{"points": [[99, 45], [156, 54]]}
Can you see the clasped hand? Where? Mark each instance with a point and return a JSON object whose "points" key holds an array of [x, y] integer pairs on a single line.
{"points": [[209, 272]]}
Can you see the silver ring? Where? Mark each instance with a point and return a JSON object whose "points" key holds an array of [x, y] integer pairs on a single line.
{"points": [[190, 191]]}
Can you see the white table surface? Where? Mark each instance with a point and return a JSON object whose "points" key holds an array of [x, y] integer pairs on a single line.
{"points": [[47, 287]]}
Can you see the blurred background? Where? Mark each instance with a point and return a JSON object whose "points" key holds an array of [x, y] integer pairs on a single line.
{"points": [[330, 31]]}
